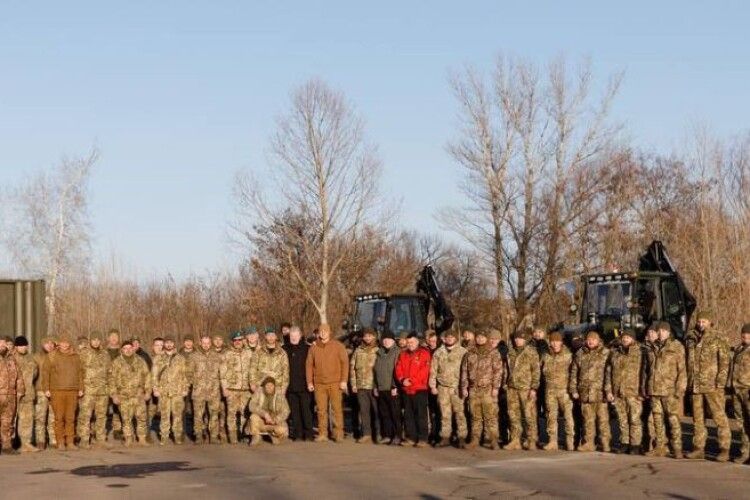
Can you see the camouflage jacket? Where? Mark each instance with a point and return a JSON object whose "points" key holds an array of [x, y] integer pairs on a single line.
{"points": [[445, 370], [523, 368], [276, 405], [361, 367], [587, 374], [129, 378], [708, 361], [235, 369], [271, 363], [203, 373], [665, 369], [96, 365], [169, 375], [29, 371], [741, 368], [556, 370], [625, 371], [482, 369], [11, 378]]}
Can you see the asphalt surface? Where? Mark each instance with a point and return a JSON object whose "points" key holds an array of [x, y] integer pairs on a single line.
{"points": [[349, 470]]}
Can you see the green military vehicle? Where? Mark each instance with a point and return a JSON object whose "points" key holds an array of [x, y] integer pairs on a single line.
{"points": [[22, 309], [611, 302]]}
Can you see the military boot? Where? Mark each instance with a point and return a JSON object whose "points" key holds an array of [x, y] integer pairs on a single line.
{"points": [[696, 455], [723, 456], [163, 442], [514, 444], [605, 447], [587, 446], [364, 440], [321, 438], [444, 442], [740, 459], [494, 445], [143, 442], [470, 445], [128, 442], [462, 442], [10, 451], [28, 448], [657, 451], [677, 454], [85, 445], [255, 440], [636, 450], [551, 446]]}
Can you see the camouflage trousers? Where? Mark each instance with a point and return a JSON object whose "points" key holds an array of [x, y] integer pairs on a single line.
{"points": [[556, 402], [596, 416], [258, 427], [171, 409], [44, 421], [7, 412], [484, 412], [236, 404], [222, 419], [668, 407], [451, 405], [151, 411], [130, 408], [25, 418], [95, 404], [629, 412], [522, 414], [115, 416], [715, 402], [742, 413], [201, 404]]}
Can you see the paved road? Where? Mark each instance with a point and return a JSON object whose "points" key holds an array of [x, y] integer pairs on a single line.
{"points": [[324, 471]]}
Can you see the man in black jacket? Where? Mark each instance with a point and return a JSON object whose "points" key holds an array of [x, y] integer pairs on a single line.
{"points": [[297, 395]]}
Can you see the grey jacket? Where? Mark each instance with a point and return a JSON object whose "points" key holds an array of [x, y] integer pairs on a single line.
{"points": [[385, 363]]}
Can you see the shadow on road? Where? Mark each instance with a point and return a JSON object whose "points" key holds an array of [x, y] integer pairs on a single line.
{"points": [[132, 471]]}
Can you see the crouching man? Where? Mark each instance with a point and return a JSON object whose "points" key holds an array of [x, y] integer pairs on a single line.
{"points": [[269, 410]]}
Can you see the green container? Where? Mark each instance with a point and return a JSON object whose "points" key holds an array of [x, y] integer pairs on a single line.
{"points": [[22, 309]]}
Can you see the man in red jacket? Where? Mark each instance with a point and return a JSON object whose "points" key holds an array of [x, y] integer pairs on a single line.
{"points": [[413, 373]]}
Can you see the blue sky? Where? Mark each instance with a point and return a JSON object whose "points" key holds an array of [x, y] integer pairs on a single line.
{"points": [[180, 95]]}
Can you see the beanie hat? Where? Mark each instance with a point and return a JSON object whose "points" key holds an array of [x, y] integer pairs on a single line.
{"points": [[704, 314], [745, 328], [21, 341], [629, 332]]}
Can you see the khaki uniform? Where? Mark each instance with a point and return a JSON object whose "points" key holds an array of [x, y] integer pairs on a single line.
{"points": [[271, 363], [169, 375], [234, 373], [25, 407], [130, 382], [708, 360], [624, 381], [274, 406], [11, 387], [556, 376], [588, 381], [665, 386], [44, 417], [740, 381], [361, 379], [445, 376], [482, 373], [96, 364], [523, 377], [204, 367]]}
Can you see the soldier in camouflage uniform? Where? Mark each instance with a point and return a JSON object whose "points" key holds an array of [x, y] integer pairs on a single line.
{"points": [[522, 385], [235, 384], [708, 359], [96, 363], [130, 388], [270, 361], [361, 379], [44, 418], [218, 344], [740, 382], [445, 382], [11, 388], [624, 384], [648, 350], [587, 384], [170, 383], [482, 375], [204, 369], [556, 364], [25, 408], [665, 386], [269, 413]]}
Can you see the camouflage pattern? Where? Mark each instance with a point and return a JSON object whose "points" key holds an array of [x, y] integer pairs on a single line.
{"points": [[169, 375], [25, 405], [222, 401], [624, 383], [666, 383], [234, 374], [740, 381], [482, 372], [587, 379], [523, 377], [556, 375], [445, 376], [204, 373], [96, 364], [11, 387], [271, 363], [130, 382], [44, 418], [361, 368], [708, 361], [276, 406]]}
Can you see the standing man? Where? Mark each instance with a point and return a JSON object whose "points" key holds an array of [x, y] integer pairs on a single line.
{"points": [[113, 413], [468, 339], [169, 376], [413, 373], [650, 345], [270, 361], [187, 351], [482, 375], [556, 366], [522, 386], [362, 381], [587, 385], [130, 388], [96, 363], [218, 344], [297, 395], [252, 338], [269, 413], [708, 361], [205, 376], [235, 385], [11, 388], [188, 346], [25, 409], [62, 383], [326, 370], [445, 383], [625, 391], [44, 417], [157, 348], [741, 387], [665, 386], [386, 390]]}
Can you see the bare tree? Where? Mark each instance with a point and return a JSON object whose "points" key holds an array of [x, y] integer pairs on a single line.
{"points": [[324, 171], [49, 230]]}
